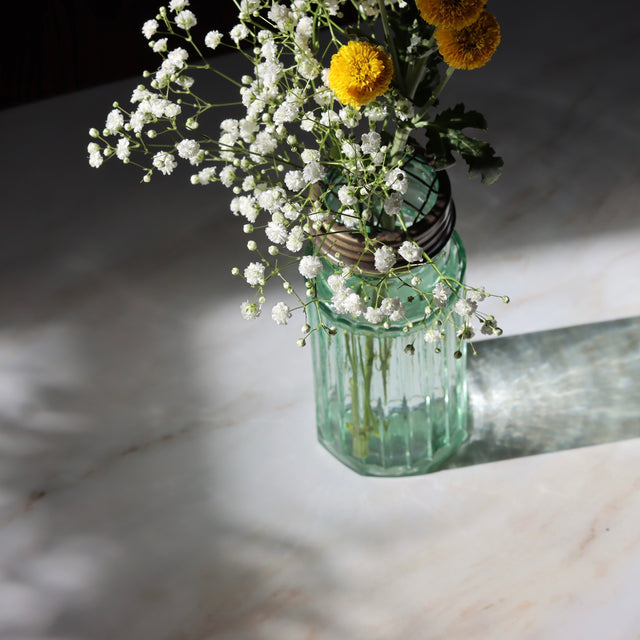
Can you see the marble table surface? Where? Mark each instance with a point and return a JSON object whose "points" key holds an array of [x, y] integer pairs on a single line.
{"points": [[159, 473]]}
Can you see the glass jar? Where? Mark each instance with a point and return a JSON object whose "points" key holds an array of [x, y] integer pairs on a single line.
{"points": [[388, 403]]}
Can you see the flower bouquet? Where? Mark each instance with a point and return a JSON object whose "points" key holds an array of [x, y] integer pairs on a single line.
{"points": [[336, 166]]}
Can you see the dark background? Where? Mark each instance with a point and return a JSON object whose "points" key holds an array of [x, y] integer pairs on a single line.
{"points": [[60, 46]]}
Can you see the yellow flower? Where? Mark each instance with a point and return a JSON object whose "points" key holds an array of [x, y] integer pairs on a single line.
{"points": [[450, 14], [359, 73], [471, 47]]}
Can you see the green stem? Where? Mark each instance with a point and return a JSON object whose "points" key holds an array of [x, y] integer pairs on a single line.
{"points": [[434, 96], [225, 76], [384, 347], [355, 400], [370, 423], [391, 46], [399, 141], [416, 72]]}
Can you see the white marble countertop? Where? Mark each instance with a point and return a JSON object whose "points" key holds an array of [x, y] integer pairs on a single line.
{"points": [[159, 473]]}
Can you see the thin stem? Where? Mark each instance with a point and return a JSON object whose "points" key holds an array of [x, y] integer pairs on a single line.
{"points": [[399, 141], [416, 74], [388, 34], [434, 96]]}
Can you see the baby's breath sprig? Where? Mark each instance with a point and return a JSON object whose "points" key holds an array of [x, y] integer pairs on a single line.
{"points": [[330, 115]]}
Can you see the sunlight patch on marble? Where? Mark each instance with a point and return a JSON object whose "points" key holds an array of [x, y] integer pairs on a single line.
{"points": [[563, 284]]}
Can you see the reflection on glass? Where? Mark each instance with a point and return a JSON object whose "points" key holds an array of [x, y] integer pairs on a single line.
{"points": [[553, 390]]}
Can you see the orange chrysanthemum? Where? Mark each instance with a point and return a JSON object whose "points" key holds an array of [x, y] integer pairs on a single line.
{"points": [[359, 73], [471, 47], [450, 14]]}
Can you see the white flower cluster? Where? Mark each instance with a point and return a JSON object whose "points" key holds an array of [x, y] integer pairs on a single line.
{"points": [[347, 301], [466, 308], [290, 142]]}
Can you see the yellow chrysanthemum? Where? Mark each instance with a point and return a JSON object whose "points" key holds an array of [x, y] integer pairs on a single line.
{"points": [[359, 73], [450, 14], [471, 47]]}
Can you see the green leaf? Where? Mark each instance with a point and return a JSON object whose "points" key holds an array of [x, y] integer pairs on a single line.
{"points": [[445, 136], [480, 158], [457, 118], [440, 148]]}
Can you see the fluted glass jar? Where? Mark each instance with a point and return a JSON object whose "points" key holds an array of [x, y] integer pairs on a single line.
{"points": [[389, 402]]}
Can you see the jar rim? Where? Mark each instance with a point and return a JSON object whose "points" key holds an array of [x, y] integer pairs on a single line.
{"points": [[430, 232]]}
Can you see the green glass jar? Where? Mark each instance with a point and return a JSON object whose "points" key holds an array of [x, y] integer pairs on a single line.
{"points": [[388, 403]]}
